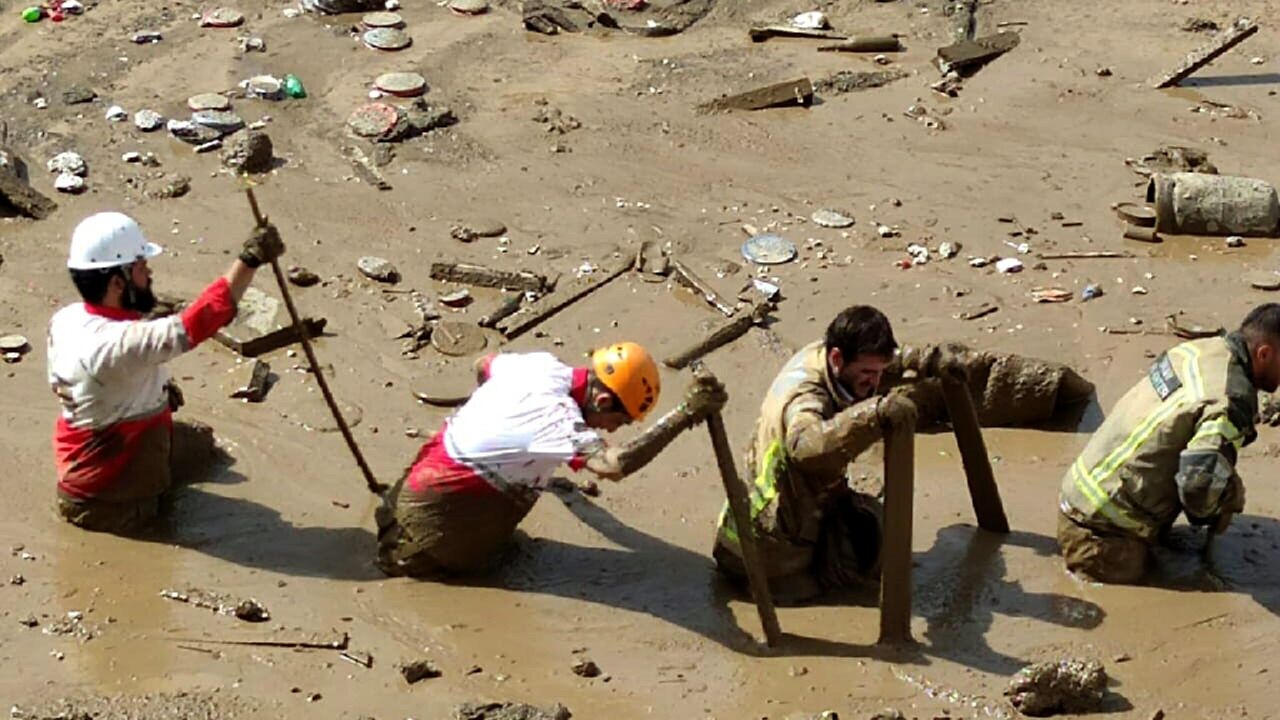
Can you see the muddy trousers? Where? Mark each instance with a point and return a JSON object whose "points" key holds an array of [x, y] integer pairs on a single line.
{"points": [[846, 554], [1107, 558], [445, 533], [189, 453]]}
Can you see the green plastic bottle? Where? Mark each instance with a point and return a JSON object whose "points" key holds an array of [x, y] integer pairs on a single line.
{"points": [[32, 14], [293, 86]]}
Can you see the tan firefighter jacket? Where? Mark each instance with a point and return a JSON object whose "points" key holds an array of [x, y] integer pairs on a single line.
{"points": [[1170, 445]]}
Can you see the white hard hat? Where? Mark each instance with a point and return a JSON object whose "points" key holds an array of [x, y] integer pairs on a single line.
{"points": [[108, 239]]}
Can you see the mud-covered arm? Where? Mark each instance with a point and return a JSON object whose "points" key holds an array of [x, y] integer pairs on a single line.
{"points": [[821, 448], [1208, 485], [704, 396], [934, 361]]}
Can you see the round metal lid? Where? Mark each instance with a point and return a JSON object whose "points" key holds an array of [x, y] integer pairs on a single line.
{"points": [[831, 219], [387, 39], [222, 17], [14, 344], [401, 84], [382, 20], [457, 338], [208, 101], [1140, 215], [373, 120], [768, 249]]}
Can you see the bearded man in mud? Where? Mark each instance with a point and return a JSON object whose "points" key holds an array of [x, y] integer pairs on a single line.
{"points": [[1169, 447], [115, 445], [457, 507]]}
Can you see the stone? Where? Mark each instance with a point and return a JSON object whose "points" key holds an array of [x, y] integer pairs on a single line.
{"points": [[222, 18], [250, 152], [889, 714], [68, 163], [192, 133], [1071, 686], [148, 120], [302, 277], [208, 101], [376, 268], [510, 711], [378, 121], [419, 670], [76, 95], [115, 113], [68, 183], [585, 667], [831, 219], [167, 187], [220, 120]]}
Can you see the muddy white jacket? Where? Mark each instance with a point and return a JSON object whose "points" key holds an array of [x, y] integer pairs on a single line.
{"points": [[106, 366]]}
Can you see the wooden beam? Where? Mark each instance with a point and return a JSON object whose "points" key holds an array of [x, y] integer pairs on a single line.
{"points": [[791, 92], [895, 577], [570, 292], [1241, 31], [983, 490]]}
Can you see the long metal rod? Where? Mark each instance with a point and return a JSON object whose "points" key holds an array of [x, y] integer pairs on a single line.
{"points": [[371, 482], [740, 508]]}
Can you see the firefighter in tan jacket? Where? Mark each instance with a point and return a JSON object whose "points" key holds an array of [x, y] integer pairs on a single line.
{"points": [[1170, 446]]}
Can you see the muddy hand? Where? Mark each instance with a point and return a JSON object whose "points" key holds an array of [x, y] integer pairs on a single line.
{"points": [[897, 411], [263, 247], [176, 399], [704, 395]]}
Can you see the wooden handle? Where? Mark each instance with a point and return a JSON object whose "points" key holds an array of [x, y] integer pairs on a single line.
{"points": [[973, 453], [895, 575]]}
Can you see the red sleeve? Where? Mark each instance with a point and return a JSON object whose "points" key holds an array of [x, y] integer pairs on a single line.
{"points": [[486, 365], [577, 463], [209, 312]]}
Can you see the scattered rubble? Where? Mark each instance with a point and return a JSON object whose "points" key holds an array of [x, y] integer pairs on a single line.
{"points": [[553, 119], [376, 268], [509, 711], [419, 670], [167, 187], [481, 276], [148, 120], [249, 610], [1067, 686], [585, 667], [847, 81], [77, 95]]}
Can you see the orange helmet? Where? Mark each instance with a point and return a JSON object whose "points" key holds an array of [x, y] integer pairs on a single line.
{"points": [[629, 371]]}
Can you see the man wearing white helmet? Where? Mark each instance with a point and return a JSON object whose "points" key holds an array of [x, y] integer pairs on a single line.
{"points": [[106, 365]]}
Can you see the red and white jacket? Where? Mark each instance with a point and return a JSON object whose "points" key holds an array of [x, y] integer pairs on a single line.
{"points": [[519, 426], [107, 368]]}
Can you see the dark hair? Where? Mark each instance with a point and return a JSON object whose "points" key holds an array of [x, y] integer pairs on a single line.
{"points": [[92, 284], [1262, 323], [861, 329]]}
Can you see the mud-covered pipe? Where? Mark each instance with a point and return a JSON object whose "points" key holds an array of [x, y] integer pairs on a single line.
{"points": [[1200, 204]]}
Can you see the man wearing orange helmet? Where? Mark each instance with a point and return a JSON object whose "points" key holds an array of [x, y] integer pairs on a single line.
{"points": [[473, 482]]}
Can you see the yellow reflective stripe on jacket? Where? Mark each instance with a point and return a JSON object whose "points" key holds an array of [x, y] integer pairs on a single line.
{"points": [[1220, 427], [1089, 481], [763, 492]]}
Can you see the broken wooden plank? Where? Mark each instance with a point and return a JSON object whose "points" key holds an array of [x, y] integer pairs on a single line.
{"points": [[1095, 255], [335, 641], [505, 310], [690, 279], [254, 388], [791, 92], [250, 345], [17, 192], [760, 34], [967, 56], [365, 168], [482, 276], [1242, 30], [868, 44], [723, 334], [529, 316]]}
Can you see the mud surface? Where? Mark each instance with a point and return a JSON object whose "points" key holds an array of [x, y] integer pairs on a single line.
{"points": [[1033, 152]]}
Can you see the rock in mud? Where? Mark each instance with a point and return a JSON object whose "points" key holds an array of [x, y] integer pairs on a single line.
{"points": [[251, 152], [76, 95], [192, 133], [167, 187], [249, 610], [376, 268], [302, 277], [585, 667], [889, 714], [509, 711], [148, 120], [1065, 686], [419, 670], [68, 163]]}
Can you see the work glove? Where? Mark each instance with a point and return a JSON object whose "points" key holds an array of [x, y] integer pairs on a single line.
{"points": [[263, 246], [897, 412], [704, 395], [176, 399]]}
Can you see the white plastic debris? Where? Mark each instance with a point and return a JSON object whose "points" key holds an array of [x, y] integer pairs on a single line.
{"points": [[292, 12], [886, 231], [40, 103], [267, 87], [919, 254], [131, 157], [1009, 265], [68, 163], [68, 183], [978, 262], [393, 5], [812, 20], [209, 146], [1235, 241], [72, 7], [948, 250], [115, 113]]}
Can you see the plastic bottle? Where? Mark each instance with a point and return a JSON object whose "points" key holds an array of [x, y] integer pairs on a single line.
{"points": [[293, 86]]}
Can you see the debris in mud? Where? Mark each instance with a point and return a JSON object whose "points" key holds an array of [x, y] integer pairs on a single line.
{"points": [[1241, 30], [466, 232], [249, 152], [419, 670], [553, 119], [922, 115], [481, 276], [968, 56], [866, 44], [302, 277], [1173, 158], [1066, 686], [18, 580], [189, 705], [1199, 204], [1199, 25], [30, 621], [509, 711], [249, 610], [167, 187], [208, 101], [401, 84], [256, 382], [760, 34], [376, 268], [378, 121], [387, 38], [791, 92], [457, 338], [224, 122], [68, 163], [12, 348], [847, 81], [73, 625], [456, 299], [831, 219], [363, 659], [469, 7], [339, 7], [191, 132], [68, 183], [585, 667], [16, 191], [77, 95], [148, 120]]}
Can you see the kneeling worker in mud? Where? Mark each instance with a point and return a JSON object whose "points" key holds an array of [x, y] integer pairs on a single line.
{"points": [[115, 438], [458, 505], [1170, 446], [815, 533]]}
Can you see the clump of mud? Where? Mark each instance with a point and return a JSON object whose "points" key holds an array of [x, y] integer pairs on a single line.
{"points": [[510, 711], [1065, 686]]}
